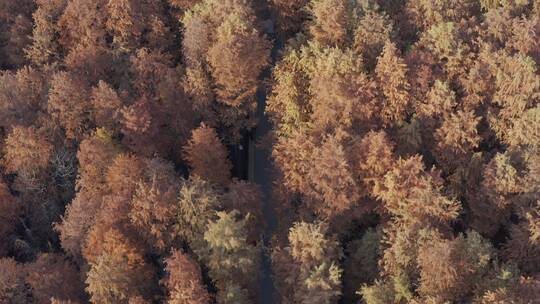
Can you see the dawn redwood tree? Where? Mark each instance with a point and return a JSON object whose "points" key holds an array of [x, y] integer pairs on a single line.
{"points": [[69, 104], [523, 290], [233, 263], [27, 151], [391, 78], [457, 136], [307, 270], [450, 268], [426, 13], [184, 280], [15, 30], [413, 195], [330, 21], [23, 97], [106, 106], [343, 96], [125, 22], [288, 106], [139, 126], [361, 263], [373, 31], [94, 156], [120, 272], [153, 212], [237, 58], [10, 210], [225, 54], [290, 15], [247, 198], [13, 287], [52, 275], [523, 245], [82, 23], [76, 222], [332, 182], [207, 156], [373, 156], [198, 201], [45, 48], [292, 156]]}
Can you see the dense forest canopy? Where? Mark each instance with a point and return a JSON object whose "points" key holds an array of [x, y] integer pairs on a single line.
{"points": [[404, 151]]}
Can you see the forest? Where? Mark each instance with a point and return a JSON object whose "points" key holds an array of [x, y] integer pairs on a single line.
{"points": [[269, 151]]}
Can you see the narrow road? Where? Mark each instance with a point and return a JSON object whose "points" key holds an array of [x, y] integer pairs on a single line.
{"points": [[259, 170], [261, 175]]}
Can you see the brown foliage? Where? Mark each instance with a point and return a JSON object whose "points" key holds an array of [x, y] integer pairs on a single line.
{"points": [[89, 62], [51, 275], [106, 105], [207, 156], [247, 199], [76, 222], [69, 104], [293, 156], [458, 134], [15, 29], [183, 4], [343, 96], [45, 48], [391, 73], [237, 58], [27, 152], [13, 288], [526, 36], [198, 202], [82, 24], [120, 272], [153, 212], [450, 268], [290, 14], [196, 42], [94, 156], [413, 195], [125, 22], [330, 22], [184, 281], [331, 179], [22, 97], [18, 38], [140, 127], [306, 270], [373, 31], [124, 173], [426, 13], [373, 157], [10, 210], [526, 290]]}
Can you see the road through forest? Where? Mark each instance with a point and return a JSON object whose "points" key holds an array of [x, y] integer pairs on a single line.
{"points": [[259, 169]]}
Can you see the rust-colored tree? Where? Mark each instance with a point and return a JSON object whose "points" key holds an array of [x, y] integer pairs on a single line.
{"points": [[207, 156], [184, 280]]}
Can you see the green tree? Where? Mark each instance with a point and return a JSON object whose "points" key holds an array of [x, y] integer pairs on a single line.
{"points": [[233, 263]]}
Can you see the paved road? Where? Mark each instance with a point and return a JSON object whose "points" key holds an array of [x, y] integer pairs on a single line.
{"points": [[259, 172]]}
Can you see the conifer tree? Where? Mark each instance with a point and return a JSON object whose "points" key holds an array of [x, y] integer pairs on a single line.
{"points": [[207, 156], [184, 280], [391, 73], [120, 271], [307, 270], [233, 263]]}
